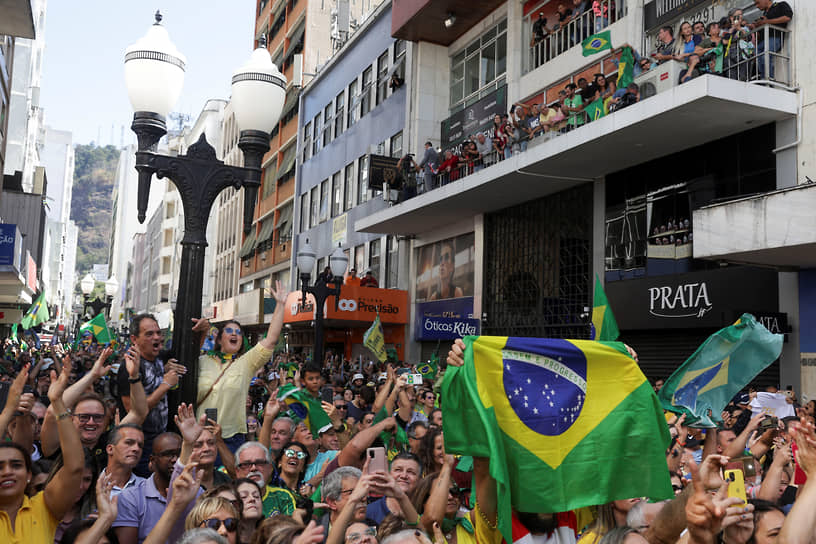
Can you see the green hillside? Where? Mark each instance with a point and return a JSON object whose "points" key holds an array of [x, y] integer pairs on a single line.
{"points": [[92, 202]]}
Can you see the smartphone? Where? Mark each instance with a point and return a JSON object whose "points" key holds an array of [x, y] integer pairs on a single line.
{"points": [[736, 485], [327, 394], [414, 379], [377, 460], [211, 413]]}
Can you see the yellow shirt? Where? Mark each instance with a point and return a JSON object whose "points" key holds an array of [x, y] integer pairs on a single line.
{"points": [[34, 523], [229, 394]]}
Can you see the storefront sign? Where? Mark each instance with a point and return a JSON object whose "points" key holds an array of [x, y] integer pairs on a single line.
{"points": [[31, 272], [709, 298], [659, 12], [445, 319], [8, 244], [445, 269], [775, 322], [339, 228], [355, 304], [382, 169], [473, 119]]}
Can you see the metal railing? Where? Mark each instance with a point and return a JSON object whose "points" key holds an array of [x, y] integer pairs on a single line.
{"points": [[748, 58], [559, 40]]}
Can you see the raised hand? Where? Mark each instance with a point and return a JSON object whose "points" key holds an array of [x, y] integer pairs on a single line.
{"points": [[805, 436], [279, 293], [200, 325], [312, 534], [703, 516], [16, 389], [187, 424], [100, 369], [332, 412], [107, 505], [58, 384], [186, 486], [133, 361], [456, 355]]}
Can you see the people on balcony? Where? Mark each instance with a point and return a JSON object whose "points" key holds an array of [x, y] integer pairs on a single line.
{"points": [[500, 137], [604, 89], [665, 46], [428, 165], [485, 150], [601, 10], [698, 28], [369, 280], [773, 13], [564, 17], [684, 51], [573, 105], [707, 50], [449, 169]]}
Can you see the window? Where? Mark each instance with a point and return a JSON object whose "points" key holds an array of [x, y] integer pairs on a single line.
{"points": [[374, 257], [365, 101], [304, 212], [349, 190], [315, 200], [359, 258], [391, 263], [339, 113], [324, 200], [382, 78], [270, 181], [327, 123], [337, 194], [478, 66], [352, 100], [396, 145], [307, 141], [399, 50], [362, 180], [318, 125]]}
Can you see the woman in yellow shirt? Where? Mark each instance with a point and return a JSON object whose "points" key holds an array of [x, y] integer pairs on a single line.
{"points": [[224, 374]]}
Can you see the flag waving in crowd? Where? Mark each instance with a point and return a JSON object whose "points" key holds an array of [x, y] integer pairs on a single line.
{"points": [[36, 314], [538, 408]]}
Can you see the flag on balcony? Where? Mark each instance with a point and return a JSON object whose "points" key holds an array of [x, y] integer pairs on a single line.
{"points": [[36, 314], [726, 362], [595, 110], [626, 68], [597, 43]]}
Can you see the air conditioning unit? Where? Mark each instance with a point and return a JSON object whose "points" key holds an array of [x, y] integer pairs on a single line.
{"points": [[660, 78]]}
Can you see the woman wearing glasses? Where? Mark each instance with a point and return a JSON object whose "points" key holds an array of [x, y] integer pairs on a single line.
{"points": [[292, 462], [226, 371], [217, 514], [446, 288]]}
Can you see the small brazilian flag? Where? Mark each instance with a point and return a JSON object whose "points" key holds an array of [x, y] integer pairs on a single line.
{"points": [[565, 423], [604, 326], [595, 110], [304, 407], [99, 328], [626, 68], [726, 362], [36, 314], [597, 43]]}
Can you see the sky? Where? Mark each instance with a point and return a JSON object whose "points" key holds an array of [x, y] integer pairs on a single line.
{"points": [[83, 83]]}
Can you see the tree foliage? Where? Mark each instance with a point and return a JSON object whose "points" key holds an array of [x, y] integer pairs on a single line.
{"points": [[92, 202]]}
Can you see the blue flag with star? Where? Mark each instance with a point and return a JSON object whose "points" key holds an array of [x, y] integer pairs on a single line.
{"points": [[720, 368]]}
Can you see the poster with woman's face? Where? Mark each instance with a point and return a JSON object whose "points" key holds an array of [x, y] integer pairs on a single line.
{"points": [[445, 269]]}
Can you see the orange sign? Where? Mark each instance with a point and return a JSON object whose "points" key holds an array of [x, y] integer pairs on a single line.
{"points": [[356, 304]]}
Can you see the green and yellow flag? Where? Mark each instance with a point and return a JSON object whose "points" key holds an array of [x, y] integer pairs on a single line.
{"points": [[726, 362], [306, 408], [565, 423], [595, 110], [604, 326], [36, 314], [374, 339], [99, 328], [597, 43], [626, 68]]}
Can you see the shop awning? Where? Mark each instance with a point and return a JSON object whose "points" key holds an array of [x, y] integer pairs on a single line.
{"points": [[296, 36], [284, 224], [291, 101], [278, 13], [288, 161], [266, 232], [249, 246]]}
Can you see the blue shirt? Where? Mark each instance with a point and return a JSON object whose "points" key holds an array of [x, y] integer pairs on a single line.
{"points": [[377, 510], [141, 506], [314, 468]]}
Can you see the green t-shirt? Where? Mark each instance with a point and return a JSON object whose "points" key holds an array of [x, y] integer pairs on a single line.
{"points": [[576, 118], [277, 500]]}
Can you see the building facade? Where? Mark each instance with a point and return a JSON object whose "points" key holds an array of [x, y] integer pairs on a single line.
{"points": [[642, 198]]}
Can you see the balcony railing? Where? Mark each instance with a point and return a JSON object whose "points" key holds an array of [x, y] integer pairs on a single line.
{"points": [[753, 63], [558, 40]]}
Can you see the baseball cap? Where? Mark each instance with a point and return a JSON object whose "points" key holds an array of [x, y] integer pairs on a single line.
{"points": [[358, 377]]}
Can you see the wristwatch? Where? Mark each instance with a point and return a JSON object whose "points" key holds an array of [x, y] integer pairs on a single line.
{"points": [[137, 379]]}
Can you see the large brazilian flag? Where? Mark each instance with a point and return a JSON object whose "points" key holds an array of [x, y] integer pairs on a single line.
{"points": [[565, 423], [304, 407]]}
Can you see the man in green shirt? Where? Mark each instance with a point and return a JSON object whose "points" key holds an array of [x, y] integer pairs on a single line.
{"points": [[574, 105]]}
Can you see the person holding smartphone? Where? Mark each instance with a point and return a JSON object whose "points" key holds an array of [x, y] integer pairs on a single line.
{"points": [[225, 373]]}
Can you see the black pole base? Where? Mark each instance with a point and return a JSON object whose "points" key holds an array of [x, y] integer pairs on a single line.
{"points": [[149, 128]]}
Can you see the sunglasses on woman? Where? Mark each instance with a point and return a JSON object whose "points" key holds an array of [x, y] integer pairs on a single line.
{"points": [[293, 453], [230, 524], [230, 330]]}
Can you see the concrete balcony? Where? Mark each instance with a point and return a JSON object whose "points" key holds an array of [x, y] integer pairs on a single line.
{"points": [[703, 110], [424, 20], [774, 229]]}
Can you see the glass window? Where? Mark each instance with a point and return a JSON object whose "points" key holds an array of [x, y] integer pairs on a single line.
{"points": [[318, 125], [359, 259], [365, 101], [391, 263], [315, 200], [349, 190], [374, 257], [352, 97], [324, 200], [382, 78], [327, 124], [307, 141], [337, 194], [396, 145], [339, 113], [362, 180], [399, 49], [478, 66]]}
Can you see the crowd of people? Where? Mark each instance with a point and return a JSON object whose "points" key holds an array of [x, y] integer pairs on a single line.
{"points": [[92, 453]]}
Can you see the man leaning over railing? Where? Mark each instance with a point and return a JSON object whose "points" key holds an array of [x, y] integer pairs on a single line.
{"points": [[776, 14]]}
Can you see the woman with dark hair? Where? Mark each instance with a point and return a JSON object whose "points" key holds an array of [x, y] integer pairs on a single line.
{"points": [[291, 462], [432, 451], [98, 531], [250, 493], [224, 374], [83, 497], [447, 268], [437, 499]]}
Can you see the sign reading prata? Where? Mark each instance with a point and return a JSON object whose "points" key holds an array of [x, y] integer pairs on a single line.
{"points": [[684, 300]]}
